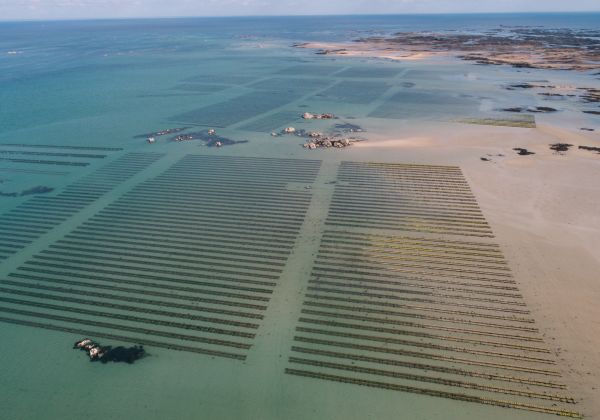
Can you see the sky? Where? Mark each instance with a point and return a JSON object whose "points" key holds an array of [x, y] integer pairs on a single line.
{"points": [[77, 9]]}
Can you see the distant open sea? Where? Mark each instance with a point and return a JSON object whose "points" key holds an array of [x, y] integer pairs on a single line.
{"points": [[56, 75]]}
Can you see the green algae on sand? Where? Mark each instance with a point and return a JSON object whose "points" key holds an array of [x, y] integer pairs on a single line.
{"points": [[519, 121]]}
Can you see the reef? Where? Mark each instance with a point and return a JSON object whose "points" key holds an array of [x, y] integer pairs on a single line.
{"points": [[535, 109], [210, 139], [348, 128], [315, 139], [520, 47], [35, 190], [160, 133], [585, 95], [590, 95]]}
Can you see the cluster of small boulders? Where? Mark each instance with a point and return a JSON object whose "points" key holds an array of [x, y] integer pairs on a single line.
{"points": [[94, 350], [316, 139], [184, 137], [311, 116], [193, 136], [327, 142]]}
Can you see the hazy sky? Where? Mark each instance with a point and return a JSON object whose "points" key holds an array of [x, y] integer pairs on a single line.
{"points": [[69, 9]]}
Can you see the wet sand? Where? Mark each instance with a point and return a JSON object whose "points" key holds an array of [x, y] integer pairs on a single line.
{"points": [[543, 209]]}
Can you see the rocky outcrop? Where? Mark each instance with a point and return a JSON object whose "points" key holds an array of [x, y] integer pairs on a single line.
{"points": [[327, 142], [311, 116]]}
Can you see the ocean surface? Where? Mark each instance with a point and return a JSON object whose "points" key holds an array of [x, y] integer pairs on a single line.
{"points": [[78, 100]]}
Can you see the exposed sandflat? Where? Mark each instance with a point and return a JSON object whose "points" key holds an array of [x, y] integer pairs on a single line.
{"points": [[543, 209]]}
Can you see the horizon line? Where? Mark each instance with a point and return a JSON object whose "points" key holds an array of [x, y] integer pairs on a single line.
{"points": [[75, 19]]}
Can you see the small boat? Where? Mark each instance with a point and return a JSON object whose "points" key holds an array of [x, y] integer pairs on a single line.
{"points": [[151, 140]]}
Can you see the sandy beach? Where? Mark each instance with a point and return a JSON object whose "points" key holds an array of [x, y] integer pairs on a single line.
{"points": [[349, 49]]}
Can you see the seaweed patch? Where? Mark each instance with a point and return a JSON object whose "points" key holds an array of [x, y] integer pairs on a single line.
{"points": [[31, 191]]}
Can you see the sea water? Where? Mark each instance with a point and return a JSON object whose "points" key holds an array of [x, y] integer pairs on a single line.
{"points": [[101, 85]]}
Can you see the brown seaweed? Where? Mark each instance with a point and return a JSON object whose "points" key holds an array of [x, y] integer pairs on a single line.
{"points": [[523, 152], [560, 147]]}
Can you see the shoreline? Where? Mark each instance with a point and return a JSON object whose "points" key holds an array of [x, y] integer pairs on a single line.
{"points": [[526, 47], [543, 211]]}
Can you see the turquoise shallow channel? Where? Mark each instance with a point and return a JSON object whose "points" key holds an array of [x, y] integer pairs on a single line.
{"points": [[263, 280]]}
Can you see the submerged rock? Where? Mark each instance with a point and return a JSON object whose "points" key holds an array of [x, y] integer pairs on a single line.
{"points": [[160, 133], [40, 189], [106, 354], [523, 86], [349, 128], [536, 109], [544, 109], [591, 95], [210, 140]]}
